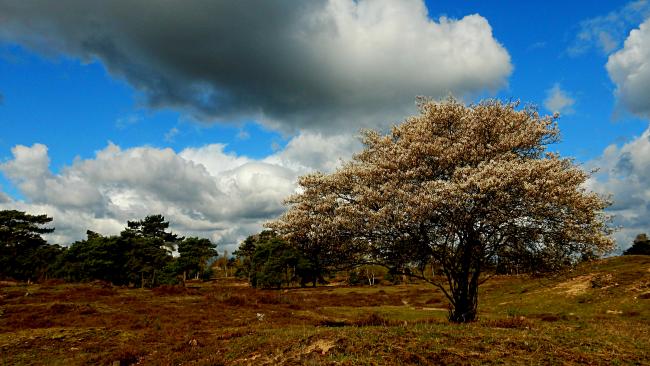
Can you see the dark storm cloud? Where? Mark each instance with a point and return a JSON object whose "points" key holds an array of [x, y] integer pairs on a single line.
{"points": [[289, 64], [211, 58]]}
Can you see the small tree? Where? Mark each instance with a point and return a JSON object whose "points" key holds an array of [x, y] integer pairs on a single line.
{"points": [[149, 248], [372, 273], [454, 188], [269, 261], [244, 256], [640, 246], [194, 254]]}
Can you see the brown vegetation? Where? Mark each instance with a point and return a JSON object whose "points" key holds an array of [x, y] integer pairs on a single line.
{"points": [[522, 320]]}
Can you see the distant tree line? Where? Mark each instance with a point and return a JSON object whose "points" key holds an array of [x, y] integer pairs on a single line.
{"points": [[144, 254], [640, 246], [267, 260]]}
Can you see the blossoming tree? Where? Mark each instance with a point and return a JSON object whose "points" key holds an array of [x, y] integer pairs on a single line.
{"points": [[454, 188]]}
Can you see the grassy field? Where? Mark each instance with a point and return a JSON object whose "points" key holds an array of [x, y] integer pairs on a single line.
{"points": [[596, 314]]}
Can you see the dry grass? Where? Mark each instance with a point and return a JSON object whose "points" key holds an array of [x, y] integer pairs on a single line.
{"points": [[522, 321]]}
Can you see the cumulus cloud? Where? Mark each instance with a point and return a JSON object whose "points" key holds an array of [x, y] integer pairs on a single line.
{"points": [[213, 158], [322, 65], [313, 151], [608, 31], [29, 162], [624, 172], [202, 191], [629, 69], [558, 100]]}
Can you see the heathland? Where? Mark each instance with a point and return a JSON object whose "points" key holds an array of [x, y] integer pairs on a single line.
{"points": [[597, 313]]}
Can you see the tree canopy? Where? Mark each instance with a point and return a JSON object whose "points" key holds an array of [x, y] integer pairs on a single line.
{"points": [[457, 188], [640, 246], [194, 254], [268, 261], [142, 255], [24, 254]]}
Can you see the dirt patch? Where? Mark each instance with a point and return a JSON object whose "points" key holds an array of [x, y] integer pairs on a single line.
{"points": [[575, 286], [435, 309], [321, 346]]}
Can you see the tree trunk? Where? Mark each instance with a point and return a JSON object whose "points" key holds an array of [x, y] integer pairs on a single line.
{"points": [[465, 307], [466, 279]]}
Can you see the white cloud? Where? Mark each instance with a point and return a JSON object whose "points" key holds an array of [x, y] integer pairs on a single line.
{"points": [[29, 162], [624, 172], [202, 191], [256, 189], [608, 31], [558, 100], [213, 158], [313, 151], [171, 134], [126, 121], [629, 69]]}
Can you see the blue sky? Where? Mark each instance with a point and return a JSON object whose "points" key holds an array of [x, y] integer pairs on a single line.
{"points": [[538, 37], [79, 90], [76, 107]]}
